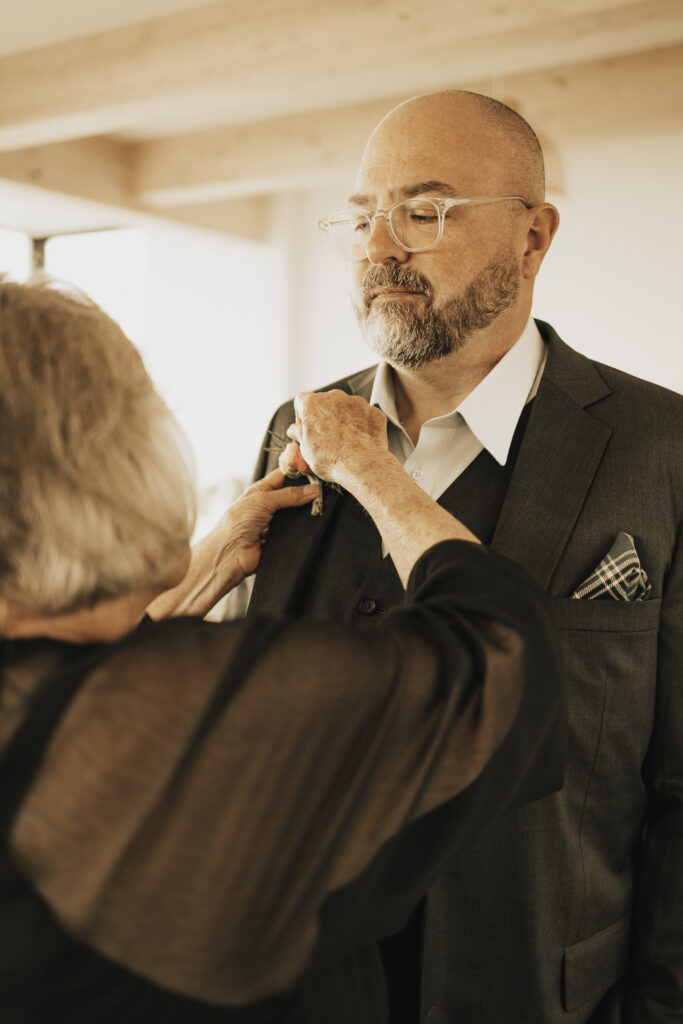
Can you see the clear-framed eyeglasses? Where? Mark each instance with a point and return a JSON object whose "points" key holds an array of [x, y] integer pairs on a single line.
{"points": [[416, 225]]}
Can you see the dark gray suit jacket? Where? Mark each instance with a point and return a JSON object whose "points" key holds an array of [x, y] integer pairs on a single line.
{"points": [[569, 909]]}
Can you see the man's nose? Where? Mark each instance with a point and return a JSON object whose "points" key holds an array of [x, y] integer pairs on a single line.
{"points": [[381, 247]]}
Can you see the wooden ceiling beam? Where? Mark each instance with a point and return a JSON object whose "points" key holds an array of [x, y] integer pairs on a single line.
{"points": [[199, 178], [265, 156], [97, 169], [599, 99], [99, 172], [239, 60]]}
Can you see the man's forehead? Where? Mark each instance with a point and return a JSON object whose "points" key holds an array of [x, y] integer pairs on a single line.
{"points": [[396, 161]]}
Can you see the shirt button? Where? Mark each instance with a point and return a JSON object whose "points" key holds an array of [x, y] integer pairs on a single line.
{"points": [[367, 606], [417, 474]]}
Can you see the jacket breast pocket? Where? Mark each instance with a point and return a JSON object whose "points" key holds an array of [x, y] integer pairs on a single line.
{"points": [[593, 965], [609, 650], [606, 616]]}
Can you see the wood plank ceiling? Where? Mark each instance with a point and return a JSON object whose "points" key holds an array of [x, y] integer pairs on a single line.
{"points": [[200, 113]]}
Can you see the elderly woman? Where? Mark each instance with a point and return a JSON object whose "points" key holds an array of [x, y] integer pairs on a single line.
{"points": [[215, 822]]}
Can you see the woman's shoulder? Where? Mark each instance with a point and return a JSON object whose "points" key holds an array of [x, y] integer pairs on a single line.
{"points": [[177, 651]]}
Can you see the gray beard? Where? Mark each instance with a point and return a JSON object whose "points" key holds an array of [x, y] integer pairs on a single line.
{"points": [[406, 336]]}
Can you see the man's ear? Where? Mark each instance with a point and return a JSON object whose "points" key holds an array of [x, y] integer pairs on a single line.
{"points": [[543, 222]]}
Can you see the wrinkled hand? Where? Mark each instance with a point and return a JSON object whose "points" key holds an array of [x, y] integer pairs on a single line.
{"points": [[232, 550], [246, 522], [337, 431]]}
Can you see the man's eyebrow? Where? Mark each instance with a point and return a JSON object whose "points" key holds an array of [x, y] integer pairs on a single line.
{"points": [[359, 199], [442, 187], [418, 189]]}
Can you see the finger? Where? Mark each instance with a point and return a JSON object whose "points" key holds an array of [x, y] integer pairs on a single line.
{"points": [[270, 482], [299, 403], [291, 496]]}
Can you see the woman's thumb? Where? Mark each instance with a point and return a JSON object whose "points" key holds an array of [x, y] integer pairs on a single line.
{"points": [[291, 496]]}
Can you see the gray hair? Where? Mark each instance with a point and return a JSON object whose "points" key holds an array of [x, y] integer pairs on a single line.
{"points": [[97, 496]]}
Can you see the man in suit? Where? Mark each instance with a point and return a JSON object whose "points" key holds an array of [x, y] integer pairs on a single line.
{"points": [[569, 909]]}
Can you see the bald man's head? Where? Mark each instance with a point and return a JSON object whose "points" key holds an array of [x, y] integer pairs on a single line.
{"points": [[490, 146]]}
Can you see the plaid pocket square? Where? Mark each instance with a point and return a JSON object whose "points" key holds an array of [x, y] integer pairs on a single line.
{"points": [[619, 575]]}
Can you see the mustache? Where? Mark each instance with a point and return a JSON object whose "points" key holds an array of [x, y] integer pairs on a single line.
{"points": [[393, 276]]}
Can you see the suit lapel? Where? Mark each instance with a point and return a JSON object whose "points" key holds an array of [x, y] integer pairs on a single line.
{"points": [[361, 383], [288, 559], [562, 448], [294, 537]]}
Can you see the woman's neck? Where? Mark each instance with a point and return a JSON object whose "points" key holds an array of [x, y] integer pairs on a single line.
{"points": [[104, 622]]}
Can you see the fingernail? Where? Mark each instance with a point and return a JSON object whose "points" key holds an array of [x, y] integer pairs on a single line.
{"points": [[310, 490]]}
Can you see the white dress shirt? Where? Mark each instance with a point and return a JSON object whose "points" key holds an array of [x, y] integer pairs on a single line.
{"points": [[486, 418]]}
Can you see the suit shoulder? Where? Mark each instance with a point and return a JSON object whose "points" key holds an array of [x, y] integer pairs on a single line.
{"points": [[647, 424], [648, 414], [643, 391], [588, 380], [354, 384]]}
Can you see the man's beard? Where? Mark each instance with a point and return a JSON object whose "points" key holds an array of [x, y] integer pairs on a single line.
{"points": [[406, 335]]}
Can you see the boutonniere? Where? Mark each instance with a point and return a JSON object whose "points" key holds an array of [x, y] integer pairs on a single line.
{"points": [[293, 465]]}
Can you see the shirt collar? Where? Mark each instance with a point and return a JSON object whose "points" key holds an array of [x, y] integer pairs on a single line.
{"points": [[383, 394], [492, 409]]}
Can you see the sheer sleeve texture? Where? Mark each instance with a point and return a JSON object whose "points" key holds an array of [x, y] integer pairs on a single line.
{"points": [[197, 829]]}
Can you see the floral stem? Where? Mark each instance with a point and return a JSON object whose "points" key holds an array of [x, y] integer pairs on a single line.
{"points": [[317, 505]]}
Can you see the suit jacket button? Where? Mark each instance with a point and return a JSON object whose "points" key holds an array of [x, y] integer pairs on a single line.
{"points": [[367, 606]]}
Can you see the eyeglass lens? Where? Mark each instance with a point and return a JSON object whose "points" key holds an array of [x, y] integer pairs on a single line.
{"points": [[415, 224]]}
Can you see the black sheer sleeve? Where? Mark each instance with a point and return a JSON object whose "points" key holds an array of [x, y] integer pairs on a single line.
{"points": [[223, 803]]}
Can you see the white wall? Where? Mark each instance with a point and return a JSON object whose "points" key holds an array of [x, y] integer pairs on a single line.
{"points": [[15, 254], [613, 279], [322, 336], [611, 284], [205, 311], [215, 342]]}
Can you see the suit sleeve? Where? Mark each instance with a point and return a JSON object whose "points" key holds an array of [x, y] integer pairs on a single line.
{"points": [[659, 931]]}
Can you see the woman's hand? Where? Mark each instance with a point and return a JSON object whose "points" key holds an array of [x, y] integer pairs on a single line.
{"points": [[246, 522], [232, 550], [338, 433], [344, 440]]}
